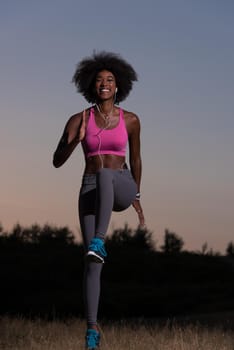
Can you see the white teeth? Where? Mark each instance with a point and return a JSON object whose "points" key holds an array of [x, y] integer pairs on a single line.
{"points": [[104, 90]]}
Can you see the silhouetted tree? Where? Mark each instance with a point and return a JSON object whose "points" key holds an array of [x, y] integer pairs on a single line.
{"points": [[204, 248], [230, 249], [120, 236], [52, 234], [172, 243], [140, 238], [16, 235], [143, 239], [3, 234], [36, 234]]}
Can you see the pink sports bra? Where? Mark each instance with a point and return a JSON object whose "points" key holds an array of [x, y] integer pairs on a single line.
{"points": [[105, 141]]}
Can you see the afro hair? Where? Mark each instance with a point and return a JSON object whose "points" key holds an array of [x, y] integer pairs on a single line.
{"points": [[87, 70]]}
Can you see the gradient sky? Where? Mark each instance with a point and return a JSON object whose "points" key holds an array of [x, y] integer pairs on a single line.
{"points": [[183, 52]]}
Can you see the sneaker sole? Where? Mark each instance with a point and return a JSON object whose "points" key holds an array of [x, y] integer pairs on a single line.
{"points": [[92, 256]]}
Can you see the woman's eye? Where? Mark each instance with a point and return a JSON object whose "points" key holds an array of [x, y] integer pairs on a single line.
{"points": [[109, 80]]}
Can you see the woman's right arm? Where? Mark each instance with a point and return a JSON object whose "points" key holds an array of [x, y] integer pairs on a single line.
{"points": [[74, 132]]}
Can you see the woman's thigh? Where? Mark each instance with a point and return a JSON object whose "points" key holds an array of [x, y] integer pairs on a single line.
{"points": [[125, 189]]}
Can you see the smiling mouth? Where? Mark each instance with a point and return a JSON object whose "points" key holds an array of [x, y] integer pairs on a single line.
{"points": [[104, 90]]}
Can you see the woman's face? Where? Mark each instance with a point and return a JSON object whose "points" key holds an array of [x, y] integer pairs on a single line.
{"points": [[105, 85]]}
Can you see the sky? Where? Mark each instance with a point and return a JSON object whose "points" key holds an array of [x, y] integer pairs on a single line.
{"points": [[183, 53]]}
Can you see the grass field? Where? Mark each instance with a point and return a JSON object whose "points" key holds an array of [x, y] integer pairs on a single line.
{"points": [[23, 334]]}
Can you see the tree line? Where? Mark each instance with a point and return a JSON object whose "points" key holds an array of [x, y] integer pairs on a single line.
{"points": [[36, 234], [41, 273]]}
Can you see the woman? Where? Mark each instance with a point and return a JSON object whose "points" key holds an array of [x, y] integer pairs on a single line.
{"points": [[104, 131]]}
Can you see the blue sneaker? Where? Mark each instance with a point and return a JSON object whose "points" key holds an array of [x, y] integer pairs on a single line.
{"points": [[96, 250], [92, 339]]}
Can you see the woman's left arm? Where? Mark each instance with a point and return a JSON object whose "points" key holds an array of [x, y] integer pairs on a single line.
{"points": [[134, 128]]}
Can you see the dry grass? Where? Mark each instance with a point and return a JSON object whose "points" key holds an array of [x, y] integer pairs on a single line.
{"points": [[23, 334]]}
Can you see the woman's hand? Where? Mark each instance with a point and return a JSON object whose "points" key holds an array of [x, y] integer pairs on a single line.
{"points": [[137, 206]]}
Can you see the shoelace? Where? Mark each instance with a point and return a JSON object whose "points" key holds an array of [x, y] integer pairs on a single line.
{"points": [[98, 246]]}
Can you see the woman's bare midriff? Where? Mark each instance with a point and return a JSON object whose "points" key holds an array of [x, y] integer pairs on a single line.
{"points": [[94, 163]]}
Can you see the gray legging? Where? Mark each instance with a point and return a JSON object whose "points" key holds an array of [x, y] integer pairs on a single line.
{"points": [[100, 194]]}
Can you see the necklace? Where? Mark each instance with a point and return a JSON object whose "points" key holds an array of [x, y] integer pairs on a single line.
{"points": [[107, 116]]}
